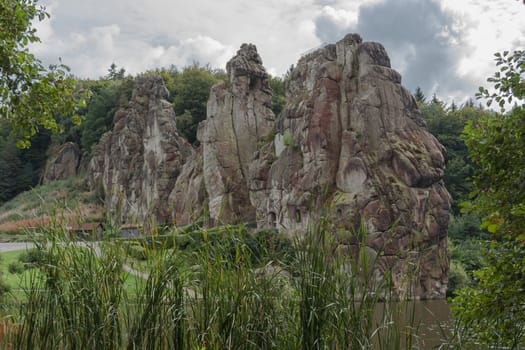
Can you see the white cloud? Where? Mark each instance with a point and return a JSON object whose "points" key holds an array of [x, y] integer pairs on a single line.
{"points": [[176, 32], [456, 44], [91, 52], [333, 22]]}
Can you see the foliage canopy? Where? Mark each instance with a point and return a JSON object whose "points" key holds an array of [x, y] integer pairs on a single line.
{"points": [[492, 312], [497, 145], [30, 94]]}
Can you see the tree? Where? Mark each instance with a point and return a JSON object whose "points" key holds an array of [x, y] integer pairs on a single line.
{"points": [[114, 73], [106, 97], [16, 174], [30, 94], [191, 92], [419, 96], [493, 312], [278, 99], [496, 144]]}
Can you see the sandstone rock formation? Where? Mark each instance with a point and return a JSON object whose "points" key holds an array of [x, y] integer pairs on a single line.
{"points": [[351, 139], [239, 119], [138, 163], [63, 163], [350, 144]]}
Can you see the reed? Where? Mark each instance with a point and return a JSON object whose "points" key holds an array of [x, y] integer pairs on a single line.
{"points": [[228, 293]]}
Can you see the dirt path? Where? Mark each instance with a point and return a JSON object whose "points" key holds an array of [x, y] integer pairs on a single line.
{"points": [[9, 247]]}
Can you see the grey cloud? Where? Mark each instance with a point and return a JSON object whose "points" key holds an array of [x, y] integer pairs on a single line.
{"points": [[325, 2], [423, 41], [328, 29]]}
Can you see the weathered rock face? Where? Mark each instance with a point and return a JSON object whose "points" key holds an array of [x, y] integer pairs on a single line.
{"points": [[349, 144], [351, 139], [63, 163], [189, 199], [239, 119], [138, 163]]}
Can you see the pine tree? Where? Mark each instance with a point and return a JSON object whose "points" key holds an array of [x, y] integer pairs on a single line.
{"points": [[419, 96]]}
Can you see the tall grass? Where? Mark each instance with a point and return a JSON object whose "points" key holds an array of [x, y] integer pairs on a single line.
{"points": [[156, 316], [226, 294], [73, 300], [236, 305], [346, 299]]}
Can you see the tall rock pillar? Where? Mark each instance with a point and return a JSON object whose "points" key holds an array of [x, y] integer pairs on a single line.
{"points": [[239, 119]]}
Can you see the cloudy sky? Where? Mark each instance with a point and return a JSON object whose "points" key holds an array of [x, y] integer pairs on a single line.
{"points": [[444, 46]]}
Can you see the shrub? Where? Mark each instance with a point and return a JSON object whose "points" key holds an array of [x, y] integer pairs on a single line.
{"points": [[136, 251], [31, 257], [466, 226], [469, 254], [4, 288], [491, 313], [15, 267], [457, 278], [288, 139]]}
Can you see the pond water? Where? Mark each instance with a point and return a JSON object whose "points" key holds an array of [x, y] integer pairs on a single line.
{"points": [[431, 321]]}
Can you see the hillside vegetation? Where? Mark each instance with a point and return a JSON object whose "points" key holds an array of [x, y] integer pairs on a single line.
{"points": [[67, 199]]}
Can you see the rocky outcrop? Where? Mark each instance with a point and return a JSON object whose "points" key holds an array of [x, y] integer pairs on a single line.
{"points": [[349, 145], [239, 119], [189, 200], [138, 163], [351, 139], [63, 163]]}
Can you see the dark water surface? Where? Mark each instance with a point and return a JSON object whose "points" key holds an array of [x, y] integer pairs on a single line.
{"points": [[433, 318], [430, 320]]}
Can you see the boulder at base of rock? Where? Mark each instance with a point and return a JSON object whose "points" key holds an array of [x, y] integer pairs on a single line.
{"points": [[63, 163]]}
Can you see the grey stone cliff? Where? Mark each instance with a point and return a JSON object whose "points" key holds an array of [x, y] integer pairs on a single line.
{"points": [[350, 143], [351, 139], [137, 164]]}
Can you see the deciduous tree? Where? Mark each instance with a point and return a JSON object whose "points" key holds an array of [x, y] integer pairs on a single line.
{"points": [[30, 94], [493, 312]]}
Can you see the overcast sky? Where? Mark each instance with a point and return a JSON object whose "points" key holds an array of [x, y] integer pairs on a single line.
{"points": [[444, 46]]}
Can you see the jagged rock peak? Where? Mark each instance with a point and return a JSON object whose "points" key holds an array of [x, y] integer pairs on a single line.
{"points": [[239, 119], [137, 164], [351, 39], [351, 139], [246, 62], [149, 86]]}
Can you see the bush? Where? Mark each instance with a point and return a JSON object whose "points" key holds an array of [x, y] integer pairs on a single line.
{"points": [[469, 254], [288, 140], [136, 251], [457, 278], [491, 313], [15, 267], [4, 288], [466, 226], [31, 257]]}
